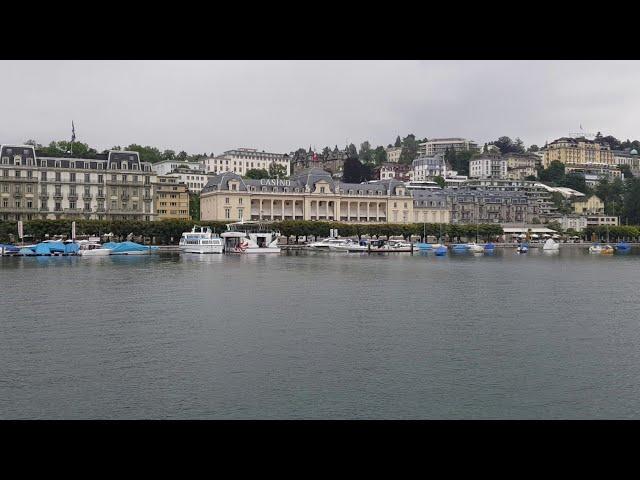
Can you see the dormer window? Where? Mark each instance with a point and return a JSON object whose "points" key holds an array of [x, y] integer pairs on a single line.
{"points": [[17, 160], [125, 166]]}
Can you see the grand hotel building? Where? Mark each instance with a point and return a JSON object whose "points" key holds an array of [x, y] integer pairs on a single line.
{"points": [[310, 195], [113, 186]]}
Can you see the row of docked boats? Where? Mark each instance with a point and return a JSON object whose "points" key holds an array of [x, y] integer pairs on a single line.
{"points": [[83, 248]]}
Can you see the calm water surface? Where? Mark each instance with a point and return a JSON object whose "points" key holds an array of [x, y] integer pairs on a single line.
{"points": [[321, 336]]}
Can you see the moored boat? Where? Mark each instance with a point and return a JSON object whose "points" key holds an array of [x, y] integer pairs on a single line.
{"points": [[550, 245], [250, 237], [92, 249], [201, 240], [130, 248]]}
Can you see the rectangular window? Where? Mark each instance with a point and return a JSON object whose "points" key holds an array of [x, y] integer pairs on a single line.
{"points": [[72, 177], [57, 176], [87, 178]]}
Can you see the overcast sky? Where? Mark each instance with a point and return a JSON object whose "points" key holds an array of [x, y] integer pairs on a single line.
{"points": [[212, 106]]}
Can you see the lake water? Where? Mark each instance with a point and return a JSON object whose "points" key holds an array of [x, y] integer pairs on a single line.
{"points": [[321, 336]]}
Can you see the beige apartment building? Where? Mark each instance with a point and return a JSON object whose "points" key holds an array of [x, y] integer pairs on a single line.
{"points": [[113, 186], [393, 154], [521, 166], [171, 198], [241, 160], [310, 195], [591, 205], [577, 151]]}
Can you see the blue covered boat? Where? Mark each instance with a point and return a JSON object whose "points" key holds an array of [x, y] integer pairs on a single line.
{"points": [[441, 251], [460, 247], [129, 248], [7, 249], [623, 247]]}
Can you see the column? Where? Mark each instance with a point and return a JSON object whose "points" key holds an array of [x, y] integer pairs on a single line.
{"points": [[271, 212], [348, 210]]}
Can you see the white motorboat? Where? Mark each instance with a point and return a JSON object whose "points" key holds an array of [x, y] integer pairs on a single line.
{"points": [[201, 240], [550, 245], [250, 237], [333, 244], [92, 249], [475, 248]]}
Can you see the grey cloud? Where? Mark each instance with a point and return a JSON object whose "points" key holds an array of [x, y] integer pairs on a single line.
{"points": [[205, 106]]}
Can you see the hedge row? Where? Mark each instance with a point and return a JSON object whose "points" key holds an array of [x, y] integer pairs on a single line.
{"points": [[169, 231]]}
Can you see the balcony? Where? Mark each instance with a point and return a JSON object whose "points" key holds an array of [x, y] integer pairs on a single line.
{"points": [[19, 179], [73, 196], [57, 195], [100, 195], [87, 196], [18, 194]]}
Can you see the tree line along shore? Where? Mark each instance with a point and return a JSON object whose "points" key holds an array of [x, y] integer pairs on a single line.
{"points": [[167, 232]]}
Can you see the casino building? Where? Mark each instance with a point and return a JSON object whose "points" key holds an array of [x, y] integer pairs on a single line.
{"points": [[115, 185], [310, 195]]}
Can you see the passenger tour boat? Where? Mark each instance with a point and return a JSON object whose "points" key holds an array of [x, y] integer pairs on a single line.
{"points": [[201, 240]]}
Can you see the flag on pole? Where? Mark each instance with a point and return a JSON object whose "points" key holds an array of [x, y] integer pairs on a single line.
{"points": [[73, 132]]}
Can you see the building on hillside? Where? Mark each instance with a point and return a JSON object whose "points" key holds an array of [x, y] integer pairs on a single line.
{"points": [[594, 172], [171, 198], [469, 206], [571, 151], [241, 160], [332, 163], [429, 167], [168, 166], [573, 222], [537, 193], [388, 170], [628, 157], [488, 166], [602, 220], [521, 166], [393, 154], [309, 195], [441, 145], [588, 205], [195, 180], [112, 186], [431, 206]]}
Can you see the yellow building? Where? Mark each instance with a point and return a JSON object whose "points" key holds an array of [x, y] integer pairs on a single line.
{"points": [[171, 198], [591, 205], [577, 151], [310, 195]]}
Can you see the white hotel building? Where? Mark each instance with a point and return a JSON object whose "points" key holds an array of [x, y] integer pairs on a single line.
{"points": [[243, 159], [441, 145], [167, 166], [488, 167]]}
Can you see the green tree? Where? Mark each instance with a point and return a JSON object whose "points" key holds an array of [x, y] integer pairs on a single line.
{"points": [[533, 148], [277, 171], [575, 181], [554, 174], [409, 149], [379, 155], [439, 180], [626, 171], [365, 155], [506, 145], [194, 206], [168, 155], [257, 173]]}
